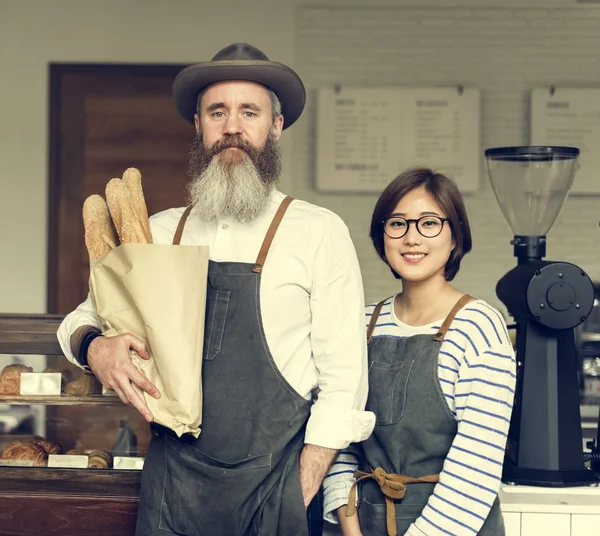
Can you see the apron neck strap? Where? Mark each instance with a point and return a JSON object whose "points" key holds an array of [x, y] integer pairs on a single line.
{"points": [[439, 336], [264, 250], [373, 321], [181, 225]]}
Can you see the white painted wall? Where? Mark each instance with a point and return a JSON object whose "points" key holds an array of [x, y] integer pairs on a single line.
{"points": [[505, 51], [505, 47]]}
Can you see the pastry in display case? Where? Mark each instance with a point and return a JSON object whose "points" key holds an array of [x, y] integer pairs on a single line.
{"points": [[64, 444]]}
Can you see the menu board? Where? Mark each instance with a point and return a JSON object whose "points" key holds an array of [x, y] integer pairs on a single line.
{"points": [[571, 118], [368, 136]]}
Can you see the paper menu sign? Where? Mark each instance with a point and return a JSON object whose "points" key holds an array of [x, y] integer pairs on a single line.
{"points": [[368, 136]]}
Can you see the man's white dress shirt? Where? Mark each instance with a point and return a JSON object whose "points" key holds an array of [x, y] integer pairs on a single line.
{"points": [[312, 307]]}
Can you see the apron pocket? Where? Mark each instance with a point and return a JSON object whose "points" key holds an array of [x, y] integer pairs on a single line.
{"points": [[203, 496], [217, 303], [372, 517], [387, 395]]}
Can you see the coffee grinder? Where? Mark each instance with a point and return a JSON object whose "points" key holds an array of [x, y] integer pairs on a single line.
{"points": [[547, 300]]}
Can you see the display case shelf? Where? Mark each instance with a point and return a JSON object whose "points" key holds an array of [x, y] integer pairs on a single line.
{"points": [[62, 400]]}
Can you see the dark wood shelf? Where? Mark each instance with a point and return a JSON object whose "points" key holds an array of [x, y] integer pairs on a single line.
{"points": [[63, 400], [29, 334]]}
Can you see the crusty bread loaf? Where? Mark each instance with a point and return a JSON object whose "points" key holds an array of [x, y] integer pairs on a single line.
{"points": [[25, 451], [66, 375], [86, 384], [10, 378], [99, 235], [133, 179]]}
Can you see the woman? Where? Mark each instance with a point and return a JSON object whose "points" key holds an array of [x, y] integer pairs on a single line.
{"points": [[441, 381]]}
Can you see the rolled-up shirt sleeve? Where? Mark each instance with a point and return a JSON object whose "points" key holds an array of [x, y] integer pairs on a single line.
{"points": [[84, 315], [338, 341]]}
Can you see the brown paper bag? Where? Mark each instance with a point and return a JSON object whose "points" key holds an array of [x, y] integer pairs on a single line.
{"points": [[157, 292]]}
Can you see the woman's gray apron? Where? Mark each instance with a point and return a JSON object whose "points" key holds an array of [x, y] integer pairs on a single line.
{"points": [[413, 433], [241, 476]]}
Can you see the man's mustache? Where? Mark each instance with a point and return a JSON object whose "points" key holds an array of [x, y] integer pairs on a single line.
{"points": [[232, 142]]}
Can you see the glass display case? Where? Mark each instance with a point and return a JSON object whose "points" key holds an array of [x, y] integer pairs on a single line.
{"points": [[70, 452]]}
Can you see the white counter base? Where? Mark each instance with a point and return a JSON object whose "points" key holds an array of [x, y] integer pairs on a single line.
{"points": [[533, 511], [536, 511]]}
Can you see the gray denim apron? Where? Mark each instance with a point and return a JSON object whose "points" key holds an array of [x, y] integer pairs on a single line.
{"points": [[413, 433], [241, 476]]}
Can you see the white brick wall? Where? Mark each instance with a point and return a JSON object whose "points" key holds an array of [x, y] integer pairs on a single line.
{"points": [[505, 51]]}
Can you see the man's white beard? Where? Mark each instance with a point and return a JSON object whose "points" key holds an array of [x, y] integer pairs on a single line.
{"points": [[229, 190]]}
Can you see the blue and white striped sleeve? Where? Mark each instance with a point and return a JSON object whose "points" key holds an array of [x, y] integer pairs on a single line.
{"points": [[470, 478], [339, 480]]}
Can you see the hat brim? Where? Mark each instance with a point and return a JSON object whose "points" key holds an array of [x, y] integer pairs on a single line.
{"points": [[284, 82]]}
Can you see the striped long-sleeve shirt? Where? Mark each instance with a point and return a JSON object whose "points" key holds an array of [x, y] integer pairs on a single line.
{"points": [[476, 369]]}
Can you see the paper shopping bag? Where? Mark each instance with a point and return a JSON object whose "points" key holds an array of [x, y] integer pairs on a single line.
{"points": [[157, 292]]}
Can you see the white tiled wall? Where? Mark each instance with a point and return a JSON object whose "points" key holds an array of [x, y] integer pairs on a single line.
{"points": [[505, 51]]}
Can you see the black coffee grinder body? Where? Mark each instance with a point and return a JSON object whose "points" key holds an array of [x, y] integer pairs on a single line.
{"points": [[547, 301]]}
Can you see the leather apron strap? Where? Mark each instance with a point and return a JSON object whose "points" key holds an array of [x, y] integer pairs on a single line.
{"points": [[439, 336], [392, 486], [181, 225], [373, 321], [264, 250]]}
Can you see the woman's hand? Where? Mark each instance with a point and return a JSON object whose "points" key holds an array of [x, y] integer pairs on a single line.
{"points": [[349, 526]]}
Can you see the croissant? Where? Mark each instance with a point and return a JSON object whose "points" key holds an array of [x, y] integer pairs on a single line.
{"points": [[10, 379], [75, 452], [25, 451], [48, 446], [99, 459]]}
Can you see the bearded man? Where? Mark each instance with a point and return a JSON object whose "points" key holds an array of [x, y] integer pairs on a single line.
{"points": [[284, 358]]}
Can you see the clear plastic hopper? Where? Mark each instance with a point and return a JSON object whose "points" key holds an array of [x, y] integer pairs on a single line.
{"points": [[531, 184]]}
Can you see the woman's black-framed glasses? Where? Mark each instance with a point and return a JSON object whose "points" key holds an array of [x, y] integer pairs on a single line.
{"points": [[428, 226]]}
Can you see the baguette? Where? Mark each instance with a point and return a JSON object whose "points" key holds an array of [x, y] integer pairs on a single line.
{"points": [[133, 179], [99, 235], [129, 227], [113, 193]]}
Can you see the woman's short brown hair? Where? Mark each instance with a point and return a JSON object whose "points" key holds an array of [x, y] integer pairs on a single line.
{"points": [[446, 195]]}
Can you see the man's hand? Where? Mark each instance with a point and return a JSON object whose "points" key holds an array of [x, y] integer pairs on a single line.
{"points": [[109, 359], [314, 464]]}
